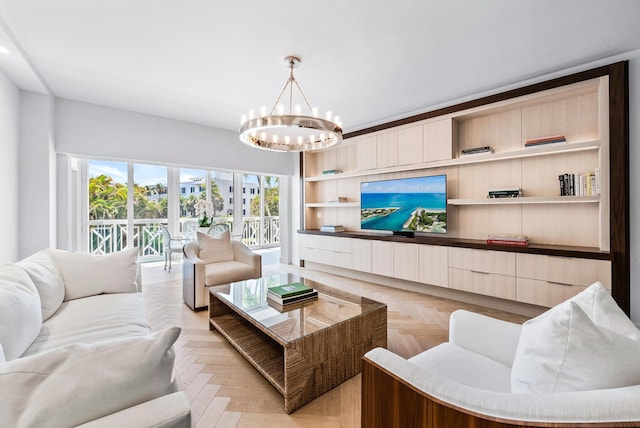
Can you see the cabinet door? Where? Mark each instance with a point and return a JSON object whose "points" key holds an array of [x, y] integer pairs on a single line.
{"points": [[482, 261], [382, 258], [387, 149], [544, 293], [362, 255], [488, 284], [563, 270], [405, 261], [366, 153], [410, 146], [438, 140], [433, 265]]}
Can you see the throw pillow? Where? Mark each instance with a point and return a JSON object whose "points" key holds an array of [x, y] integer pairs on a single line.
{"points": [[88, 275], [45, 275], [563, 350], [20, 312], [2, 359], [75, 384], [215, 249], [597, 303]]}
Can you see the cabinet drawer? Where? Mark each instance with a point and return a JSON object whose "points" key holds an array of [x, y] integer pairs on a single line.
{"points": [[498, 262], [544, 293], [563, 270], [489, 284]]}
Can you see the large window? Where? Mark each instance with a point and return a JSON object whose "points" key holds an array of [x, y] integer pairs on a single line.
{"points": [[128, 202]]}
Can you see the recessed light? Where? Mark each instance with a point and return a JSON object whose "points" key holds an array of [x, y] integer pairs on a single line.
{"points": [[4, 50]]}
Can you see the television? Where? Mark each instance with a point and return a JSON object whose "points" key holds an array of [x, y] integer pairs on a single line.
{"points": [[405, 205]]}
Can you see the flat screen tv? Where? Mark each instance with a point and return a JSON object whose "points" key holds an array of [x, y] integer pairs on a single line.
{"points": [[416, 204]]}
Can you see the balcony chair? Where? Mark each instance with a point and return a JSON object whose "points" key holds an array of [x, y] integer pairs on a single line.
{"points": [[189, 230], [215, 260], [171, 245]]}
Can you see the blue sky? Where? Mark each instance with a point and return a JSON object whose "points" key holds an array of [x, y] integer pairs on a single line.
{"points": [[430, 184]]}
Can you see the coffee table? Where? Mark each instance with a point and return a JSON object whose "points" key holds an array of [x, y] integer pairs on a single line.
{"points": [[305, 351]]}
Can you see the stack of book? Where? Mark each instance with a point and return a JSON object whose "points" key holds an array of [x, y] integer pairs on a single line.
{"points": [[332, 228], [332, 171], [284, 297], [554, 139], [514, 192], [476, 150], [580, 184], [514, 240]]}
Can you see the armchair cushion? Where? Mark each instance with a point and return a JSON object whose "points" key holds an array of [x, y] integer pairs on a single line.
{"points": [[466, 367], [88, 275], [563, 350], [20, 311], [47, 278], [215, 249], [226, 272], [78, 383]]}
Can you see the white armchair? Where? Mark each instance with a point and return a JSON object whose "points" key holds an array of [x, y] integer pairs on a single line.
{"points": [[494, 373], [215, 261]]}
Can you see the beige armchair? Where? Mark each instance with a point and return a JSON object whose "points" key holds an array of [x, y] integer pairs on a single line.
{"points": [[200, 273]]}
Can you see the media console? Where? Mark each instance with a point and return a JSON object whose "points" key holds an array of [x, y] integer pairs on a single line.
{"points": [[574, 240]]}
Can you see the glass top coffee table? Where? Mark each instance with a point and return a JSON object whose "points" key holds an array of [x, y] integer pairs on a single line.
{"points": [[308, 348]]}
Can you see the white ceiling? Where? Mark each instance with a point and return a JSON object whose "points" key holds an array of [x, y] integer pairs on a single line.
{"points": [[369, 61]]}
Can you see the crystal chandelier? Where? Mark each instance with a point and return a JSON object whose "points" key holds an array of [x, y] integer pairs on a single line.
{"points": [[292, 132]]}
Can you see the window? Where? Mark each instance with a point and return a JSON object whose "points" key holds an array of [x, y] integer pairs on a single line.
{"points": [[230, 201], [230, 189], [244, 190], [253, 191], [193, 189], [244, 201], [183, 190]]}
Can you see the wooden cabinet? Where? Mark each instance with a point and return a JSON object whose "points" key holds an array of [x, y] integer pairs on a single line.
{"points": [[587, 108], [548, 280], [491, 273]]}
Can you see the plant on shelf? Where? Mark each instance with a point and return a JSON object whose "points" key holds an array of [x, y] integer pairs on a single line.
{"points": [[204, 211]]}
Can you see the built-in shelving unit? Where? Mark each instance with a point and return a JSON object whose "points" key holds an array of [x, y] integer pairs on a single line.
{"points": [[590, 109]]}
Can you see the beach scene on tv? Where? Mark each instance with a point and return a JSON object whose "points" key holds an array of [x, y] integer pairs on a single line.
{"points": [[408, 204]]}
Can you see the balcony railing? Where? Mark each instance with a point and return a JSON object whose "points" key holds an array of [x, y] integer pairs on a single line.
{"points": [[108, 236]]}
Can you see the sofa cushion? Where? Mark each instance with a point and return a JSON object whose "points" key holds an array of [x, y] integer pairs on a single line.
{"points": [[226, 272], [215, 249], [89, 274], [563, 350], [46, 276], [91, 320], [20, 312], [78, 383], [466, 367]]}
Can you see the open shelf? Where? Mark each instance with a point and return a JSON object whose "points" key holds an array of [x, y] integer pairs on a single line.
{"points": [[544, 150], [527, 200], [331, 204]]}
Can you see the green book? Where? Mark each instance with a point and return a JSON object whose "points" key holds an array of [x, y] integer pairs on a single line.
{"points": [[289, 290]]}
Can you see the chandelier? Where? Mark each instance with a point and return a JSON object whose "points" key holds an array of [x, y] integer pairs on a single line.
{"points": [[292, 132]]}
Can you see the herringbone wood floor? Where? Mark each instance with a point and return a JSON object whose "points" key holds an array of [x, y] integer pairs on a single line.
{"points": [[226, 391]]}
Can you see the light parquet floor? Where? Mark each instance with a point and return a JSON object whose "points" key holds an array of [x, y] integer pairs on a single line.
{"points": [[226, 391]]}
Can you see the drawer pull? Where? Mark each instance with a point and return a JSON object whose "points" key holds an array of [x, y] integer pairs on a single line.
{"points": [[560, 283], [477, 271]]}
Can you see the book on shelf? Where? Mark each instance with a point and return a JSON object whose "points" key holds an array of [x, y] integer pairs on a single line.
{"points": [[586, 184], [289, 290], [311, 294], [331, 171], [554, 139], [514, 192], [332, 228], [337, 200], [476, 150], [513, 240]]}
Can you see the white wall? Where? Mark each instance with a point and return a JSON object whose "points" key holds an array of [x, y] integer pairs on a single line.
{"points": [[37, 174], [9, 119], [92, 130]]}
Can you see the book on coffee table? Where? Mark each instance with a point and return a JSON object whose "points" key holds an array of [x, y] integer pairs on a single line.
{"points": [[311, 294], [289, 290]]}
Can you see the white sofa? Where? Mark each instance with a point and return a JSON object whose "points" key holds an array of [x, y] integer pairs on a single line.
{"points": [[75, 347], [578, 363]]}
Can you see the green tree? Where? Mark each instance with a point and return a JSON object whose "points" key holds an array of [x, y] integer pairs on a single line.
{"points": [[271, 198], [107, 199]]}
